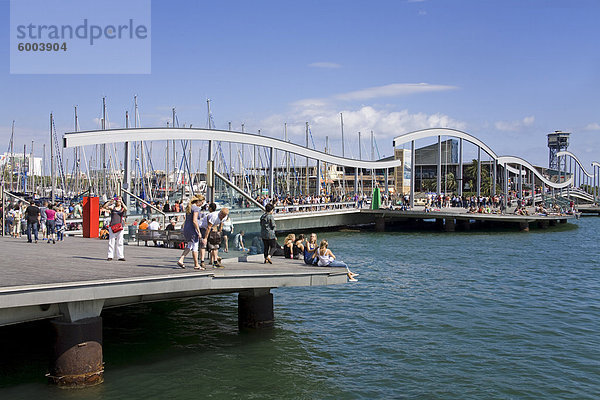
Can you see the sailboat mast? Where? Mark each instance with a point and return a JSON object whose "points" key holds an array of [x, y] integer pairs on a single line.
{"points": [[343, 155], [306, 193], [53, 183], [12, 155]]}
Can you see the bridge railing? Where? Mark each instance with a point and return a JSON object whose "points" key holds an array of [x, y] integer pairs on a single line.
{"points": [[304, 208]]}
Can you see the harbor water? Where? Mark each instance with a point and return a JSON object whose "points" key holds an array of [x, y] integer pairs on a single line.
{"points": [[503, 315]]}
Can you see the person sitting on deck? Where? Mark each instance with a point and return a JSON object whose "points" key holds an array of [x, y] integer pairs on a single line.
{"points": [[154, 227], [288, 245], [298, 247], [238, 241], [327, 259], [310, 250]]}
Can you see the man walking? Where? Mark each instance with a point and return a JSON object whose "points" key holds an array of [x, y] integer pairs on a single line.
{"points": [[33, 216]]}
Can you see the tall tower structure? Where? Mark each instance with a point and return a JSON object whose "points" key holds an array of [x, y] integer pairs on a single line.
{"points": [[557, 141]]}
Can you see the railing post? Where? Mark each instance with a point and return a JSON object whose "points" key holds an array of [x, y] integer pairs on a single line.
{"points": [[505, 200], [209, 188], [439, 166], [494, 177], [478, 171], [271, 190], [127, 174], [318, 183], [413, 174], [459, 182]]}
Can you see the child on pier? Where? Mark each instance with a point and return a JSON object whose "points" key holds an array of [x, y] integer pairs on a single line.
{"points": [[327, 259]]}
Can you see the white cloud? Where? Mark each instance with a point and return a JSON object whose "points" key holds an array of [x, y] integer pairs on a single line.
{"points": [[515, 125], [325, 121], [594, 126], [392, 90], [325, 64]]}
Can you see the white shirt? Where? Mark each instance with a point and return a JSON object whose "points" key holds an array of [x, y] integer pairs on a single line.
{"points": [[212, 218], [154, 226]]}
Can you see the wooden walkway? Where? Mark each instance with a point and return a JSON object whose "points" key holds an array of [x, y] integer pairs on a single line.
{"points": [[38, 277]]}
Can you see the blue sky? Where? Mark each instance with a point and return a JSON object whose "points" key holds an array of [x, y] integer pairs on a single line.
{"points": [[507, 71]]}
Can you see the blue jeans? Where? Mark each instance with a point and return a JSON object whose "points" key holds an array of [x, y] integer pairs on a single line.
{"points": [[50, 225], [336, 263], [59, 232], [32, 227]]}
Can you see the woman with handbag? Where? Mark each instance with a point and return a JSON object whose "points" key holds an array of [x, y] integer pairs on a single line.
{"points": [[117, 211]]}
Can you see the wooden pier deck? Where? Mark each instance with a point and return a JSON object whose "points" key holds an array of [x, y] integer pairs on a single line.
{"points": [[589, 209], [37, 278], [449, 219]]}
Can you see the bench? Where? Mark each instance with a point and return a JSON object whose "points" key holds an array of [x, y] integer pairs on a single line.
{"points": [[170, 238]]}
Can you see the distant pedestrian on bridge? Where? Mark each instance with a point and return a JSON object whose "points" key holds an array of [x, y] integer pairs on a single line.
{"points": [[117, 211]]}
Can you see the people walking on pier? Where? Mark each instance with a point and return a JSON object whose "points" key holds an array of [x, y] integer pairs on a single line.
{"points": [[117, 211], [226, 232], [192, 232], [17, 215], [214, 224], [43, 220], [267, 233], [60, 218], [32, 214], [51, 223], [327, 259]]}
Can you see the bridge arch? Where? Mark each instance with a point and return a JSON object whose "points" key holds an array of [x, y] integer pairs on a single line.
{"points": [[75, 139], [526, 164], [574, 157]]}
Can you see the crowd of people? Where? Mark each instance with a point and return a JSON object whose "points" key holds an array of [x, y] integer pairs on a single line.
{"points": [[36, 219]]}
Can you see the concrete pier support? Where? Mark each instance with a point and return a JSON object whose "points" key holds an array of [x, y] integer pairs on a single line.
{"points": [[255, 309], [463, 224], [552, 222], [77, 355], [543, 224], [449, 225], [439, 223], [380, 224], [524, 226]]}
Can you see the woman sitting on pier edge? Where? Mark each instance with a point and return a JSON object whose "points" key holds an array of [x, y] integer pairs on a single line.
{"points": [[288, 245], [298, 248], [310, 250], [327, 259]]}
